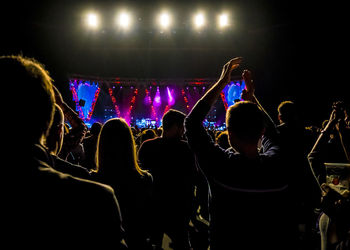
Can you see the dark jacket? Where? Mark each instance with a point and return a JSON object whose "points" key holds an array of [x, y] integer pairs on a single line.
{"points": [[48, 209], [249, 196]]}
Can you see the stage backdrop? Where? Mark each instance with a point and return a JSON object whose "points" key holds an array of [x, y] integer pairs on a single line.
{"points": [[143, 102]]}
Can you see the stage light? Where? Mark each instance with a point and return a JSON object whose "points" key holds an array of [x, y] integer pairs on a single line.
{"points": [[157, 99], [92, 20], [223, 20], [171, 99], [124, 20], [164, 20], [199, 20]]}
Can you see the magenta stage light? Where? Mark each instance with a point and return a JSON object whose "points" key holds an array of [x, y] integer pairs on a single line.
{"points": [[157, 99], [171, 99]]}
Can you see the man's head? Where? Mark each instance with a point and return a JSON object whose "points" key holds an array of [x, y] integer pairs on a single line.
{"points": [[173, 124], [32, 106], [245, 125], [287, 112]]}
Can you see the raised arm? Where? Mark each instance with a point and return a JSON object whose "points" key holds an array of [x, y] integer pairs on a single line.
{"points": [[79, 129], [212, 95], [248, 94]]}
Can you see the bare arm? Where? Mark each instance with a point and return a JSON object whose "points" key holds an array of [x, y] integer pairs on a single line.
{"points": [[211, 96]]}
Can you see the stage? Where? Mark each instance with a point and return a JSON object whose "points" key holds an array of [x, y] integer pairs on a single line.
{"points": [[143, 102]]}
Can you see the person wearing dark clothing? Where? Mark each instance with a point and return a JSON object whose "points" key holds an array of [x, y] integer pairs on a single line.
{"points": [[172, 164], [303, 189], [54, 142], [44, 208], [71, 149], [90, 146], [117, 166], [249, 204], [334, 221]]}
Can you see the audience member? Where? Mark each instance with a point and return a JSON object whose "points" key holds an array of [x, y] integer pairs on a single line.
{"points": [[117, 166], [172, 165], [54, 143], [334, 222], [249, 206], [72, 148], [45, 208], [304, 191], [90, 146], [222, 140]]}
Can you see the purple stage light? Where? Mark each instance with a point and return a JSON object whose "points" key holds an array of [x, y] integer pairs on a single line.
{"points": [[157, 99], [171, 99]]}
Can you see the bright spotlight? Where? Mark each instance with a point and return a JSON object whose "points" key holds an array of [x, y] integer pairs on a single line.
{"points": [[164, 20], [124, 20], [92, 20], [199, 20], [223, 21]]}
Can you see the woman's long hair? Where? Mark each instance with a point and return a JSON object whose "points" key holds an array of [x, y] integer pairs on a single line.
{"points": [[116, 152]]}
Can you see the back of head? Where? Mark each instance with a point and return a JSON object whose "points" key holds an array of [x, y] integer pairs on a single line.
{"points": [[95, 128], [147, 134], [172, 118], [33, 105], [287, 112], [246, 121], [116, 150]]}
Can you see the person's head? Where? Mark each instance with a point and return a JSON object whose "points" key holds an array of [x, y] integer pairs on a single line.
{"points": [[55, 136], [222, 140], [173, 124], [245, 125], [116, 152], [33, 104], [147, 134], [95, 128], [287, 112]]}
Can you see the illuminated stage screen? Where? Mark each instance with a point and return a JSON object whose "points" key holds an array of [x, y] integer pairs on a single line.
{"points": [[143, 102]]}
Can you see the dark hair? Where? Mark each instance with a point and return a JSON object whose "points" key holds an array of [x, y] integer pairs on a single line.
{"points": [[287, 111], [33, 106], [95, 128], [246, 120], [116, 151], [172, 117]]}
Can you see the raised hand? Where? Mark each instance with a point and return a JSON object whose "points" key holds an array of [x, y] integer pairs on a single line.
{"points": [[228, 67], [248, 92]]}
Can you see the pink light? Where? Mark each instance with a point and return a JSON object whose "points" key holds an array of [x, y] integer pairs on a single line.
{"points": [[157, 99], [171, 100]]}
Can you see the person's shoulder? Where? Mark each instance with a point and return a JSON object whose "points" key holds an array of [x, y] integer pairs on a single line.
{"points": [[72, 184]]}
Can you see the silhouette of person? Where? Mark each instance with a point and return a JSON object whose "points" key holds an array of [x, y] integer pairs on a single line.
{"points": [[117, 166], [172, 166], [54, 143], [45, 208], [90, 146], [249, 208]]}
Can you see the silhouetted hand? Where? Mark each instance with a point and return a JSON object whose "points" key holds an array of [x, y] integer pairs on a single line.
{"points": [[248, 92], [228, 67]]}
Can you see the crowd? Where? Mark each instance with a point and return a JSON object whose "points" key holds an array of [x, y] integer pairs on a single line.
{"points": [[257, 185]]}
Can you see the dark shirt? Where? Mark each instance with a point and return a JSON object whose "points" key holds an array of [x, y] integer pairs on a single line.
{"points": [[172, 166], [133, 193], [47, 209], [249, 203]]}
